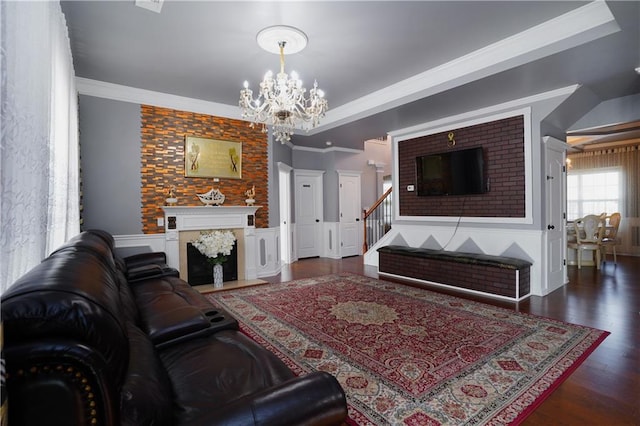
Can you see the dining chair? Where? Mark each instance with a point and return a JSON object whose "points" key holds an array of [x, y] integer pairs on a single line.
{"points": [[610, 237], [589, 232]]}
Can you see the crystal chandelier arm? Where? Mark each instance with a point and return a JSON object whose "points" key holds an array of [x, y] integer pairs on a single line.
{"points": [[281, 102]]}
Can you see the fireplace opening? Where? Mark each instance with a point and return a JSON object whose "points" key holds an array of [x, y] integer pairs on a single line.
{"points": [[200, 271]]}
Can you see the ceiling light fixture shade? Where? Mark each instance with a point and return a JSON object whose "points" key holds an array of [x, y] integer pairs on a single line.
{"points": [[281, 102]]}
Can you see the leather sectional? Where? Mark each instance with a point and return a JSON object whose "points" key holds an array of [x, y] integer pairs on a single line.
{"points": [[90, 338]]}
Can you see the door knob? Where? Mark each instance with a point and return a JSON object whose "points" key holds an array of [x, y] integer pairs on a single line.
{"points": [[551, 227], [317, 220], [357, 219]]}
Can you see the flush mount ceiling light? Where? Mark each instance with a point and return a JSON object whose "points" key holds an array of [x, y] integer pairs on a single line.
{"points": [[281, 102]]}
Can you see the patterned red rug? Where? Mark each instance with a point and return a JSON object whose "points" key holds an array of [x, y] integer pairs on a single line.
{"points": [[406, 355]]}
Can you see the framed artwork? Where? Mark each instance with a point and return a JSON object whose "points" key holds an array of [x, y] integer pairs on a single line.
{"points": [[212, 158]]}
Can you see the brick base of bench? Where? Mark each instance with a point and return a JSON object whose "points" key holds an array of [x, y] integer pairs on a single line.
{"points": [[491, 275]]}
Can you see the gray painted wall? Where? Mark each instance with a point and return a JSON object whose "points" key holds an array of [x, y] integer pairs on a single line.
{"points": [[619, 110], [324, 161], [370, 179], [110, 135], [333, 160], [330, 186], [110, 150], [278, 153], [110, 161]]}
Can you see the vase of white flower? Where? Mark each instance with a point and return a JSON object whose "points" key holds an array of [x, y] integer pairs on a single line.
{"points": [[216, 245]]}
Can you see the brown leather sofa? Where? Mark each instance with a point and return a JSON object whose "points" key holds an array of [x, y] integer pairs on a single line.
{"points": [[85, 346]]}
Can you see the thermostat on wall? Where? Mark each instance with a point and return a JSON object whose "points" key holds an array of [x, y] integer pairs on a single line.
{"points": [[411, 188]]}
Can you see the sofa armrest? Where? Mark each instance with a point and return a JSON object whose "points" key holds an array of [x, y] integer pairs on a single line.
{"points": [[314, 399], [59, 381], [172, 322], [153, 270], [142, 259], [171, 311], [143, 266]]}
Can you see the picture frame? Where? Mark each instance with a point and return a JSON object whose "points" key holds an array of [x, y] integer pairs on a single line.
{"points": [[204, 157]]}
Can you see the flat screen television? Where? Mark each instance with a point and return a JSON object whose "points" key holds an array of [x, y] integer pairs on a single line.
{"points": [[451, 173]]}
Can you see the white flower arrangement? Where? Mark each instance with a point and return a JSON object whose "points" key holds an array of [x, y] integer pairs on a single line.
{"points": [[216, 245]]}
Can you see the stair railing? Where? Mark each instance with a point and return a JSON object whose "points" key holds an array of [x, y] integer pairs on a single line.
{"points": [[377, 220]]}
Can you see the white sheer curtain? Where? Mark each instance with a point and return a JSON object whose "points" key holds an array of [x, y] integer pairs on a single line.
{"points": [[64, 168], [39, 200], [628, 160]]}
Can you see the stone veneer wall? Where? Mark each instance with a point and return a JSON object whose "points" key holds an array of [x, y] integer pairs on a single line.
{"points": [[163, 134], [503, 144]]}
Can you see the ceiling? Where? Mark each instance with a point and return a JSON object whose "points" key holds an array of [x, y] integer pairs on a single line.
{"points": [[384, 65]]}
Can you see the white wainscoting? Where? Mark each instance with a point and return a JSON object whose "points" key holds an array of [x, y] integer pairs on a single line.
{"points": [[267, 248], [294, 243], [331, 240], [267, 251], [143, 242], [521, 244]]}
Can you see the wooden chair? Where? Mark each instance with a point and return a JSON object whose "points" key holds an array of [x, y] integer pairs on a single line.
{"points": [[610, 237], [589, 233]]}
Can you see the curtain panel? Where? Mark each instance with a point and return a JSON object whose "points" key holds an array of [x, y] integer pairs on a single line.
{"points": [[628, 159], [39, 205]]}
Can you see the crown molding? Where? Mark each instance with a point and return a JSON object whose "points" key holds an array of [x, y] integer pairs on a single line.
{"points": [[481, 114], [572, 29], [102, 89], [325, 150]]}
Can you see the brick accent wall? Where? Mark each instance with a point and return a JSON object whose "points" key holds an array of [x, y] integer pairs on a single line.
{"points": [[482, 278], [163, 134], [503, 145]]}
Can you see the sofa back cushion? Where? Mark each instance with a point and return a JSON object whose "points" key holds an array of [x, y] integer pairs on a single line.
{"points": [[94, 242], [146, 397]]}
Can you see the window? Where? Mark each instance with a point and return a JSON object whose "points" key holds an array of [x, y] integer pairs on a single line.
{"points": [[593, 191]]}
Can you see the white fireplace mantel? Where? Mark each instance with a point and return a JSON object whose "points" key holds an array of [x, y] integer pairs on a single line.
{"points": [[178, 219]]}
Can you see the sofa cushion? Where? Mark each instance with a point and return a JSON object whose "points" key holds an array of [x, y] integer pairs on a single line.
{"points": [[208, 372], [502, 262], [146, 397], [129, 307]]}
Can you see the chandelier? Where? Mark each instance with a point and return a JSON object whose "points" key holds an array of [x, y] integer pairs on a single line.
{"points": [[281, 102]]}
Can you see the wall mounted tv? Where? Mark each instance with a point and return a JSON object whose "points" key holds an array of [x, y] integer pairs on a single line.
{"points": [[451, 173]]}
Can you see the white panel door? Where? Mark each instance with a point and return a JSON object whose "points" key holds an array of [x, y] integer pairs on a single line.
{"points": [[308, 213], [555, 215], [350, 224]]}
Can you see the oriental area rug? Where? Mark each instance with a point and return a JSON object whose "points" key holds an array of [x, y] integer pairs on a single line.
{"points": [[409, 356]]}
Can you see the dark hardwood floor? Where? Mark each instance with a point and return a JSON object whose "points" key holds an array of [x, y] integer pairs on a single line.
{"points": [[605, 389]]}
